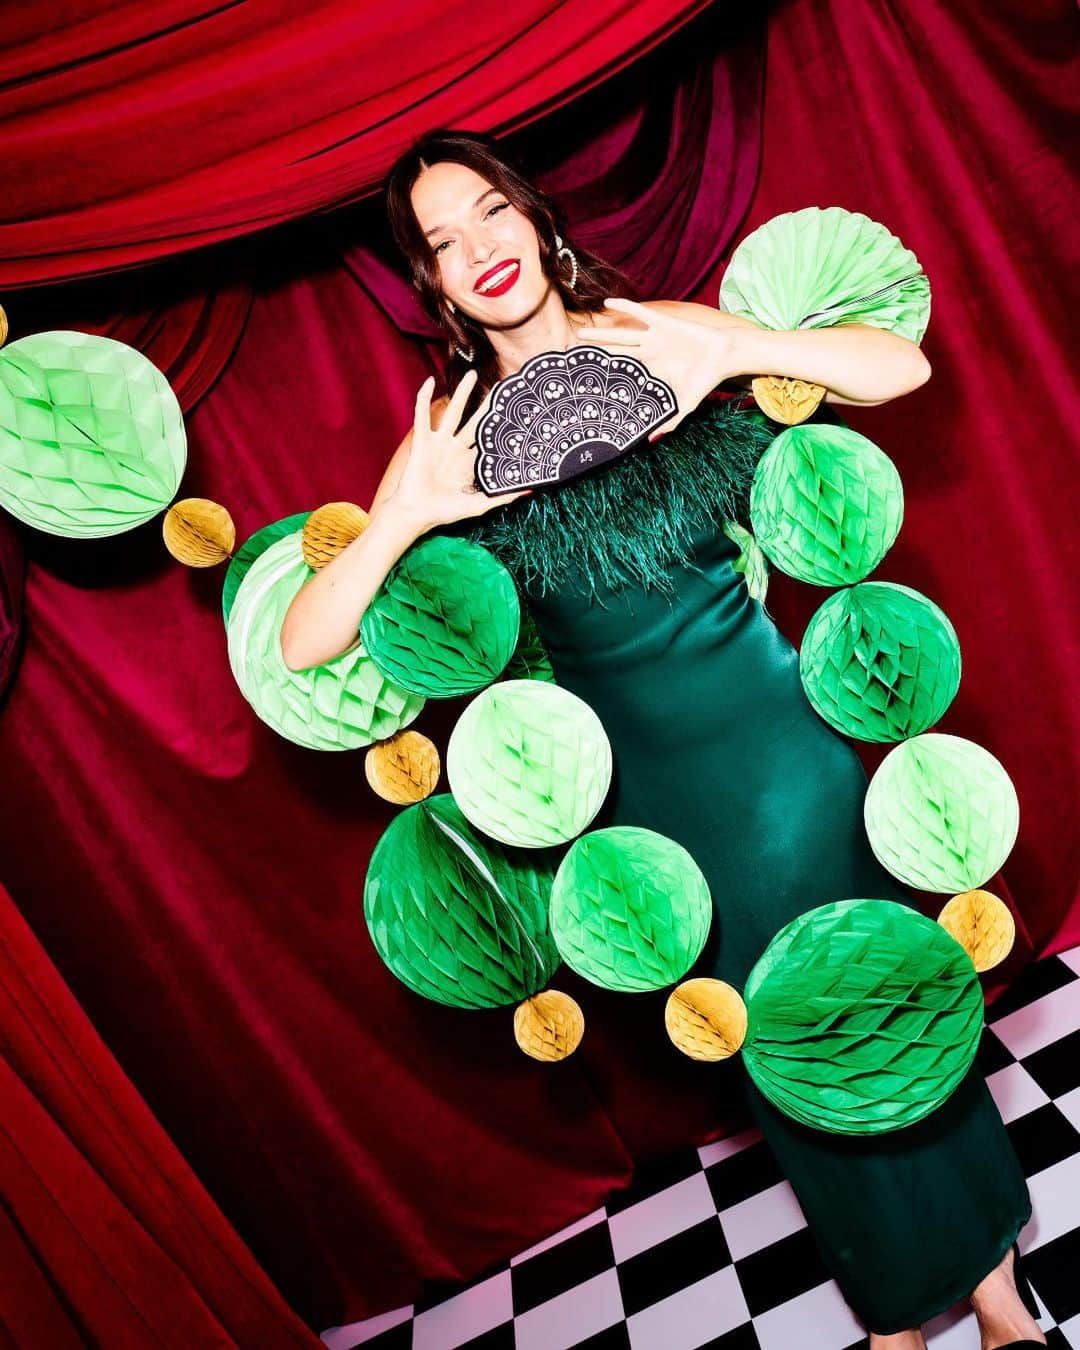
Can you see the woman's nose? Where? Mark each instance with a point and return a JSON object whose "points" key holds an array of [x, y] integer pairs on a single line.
{"points": [[480, 248]]}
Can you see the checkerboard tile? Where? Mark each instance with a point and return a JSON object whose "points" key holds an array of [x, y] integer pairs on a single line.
{"points": [[708, 1249]]}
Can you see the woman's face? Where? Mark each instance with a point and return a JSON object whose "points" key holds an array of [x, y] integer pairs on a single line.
{"points": [[476, 234]]}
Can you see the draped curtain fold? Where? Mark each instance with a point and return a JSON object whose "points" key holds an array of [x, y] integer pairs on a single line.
{"points": [[198, 880], [107, 1236], [140, 131], [218, 868], [12, 580]]}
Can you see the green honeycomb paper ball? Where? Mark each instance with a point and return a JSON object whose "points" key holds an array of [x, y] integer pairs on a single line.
{"points": [[342, 705], [445, 621], [252, 548], [456, 917], [630, 908], [863, 1016], [825, 504], [92, 439], [819, 267], [941, 813], [529, 763], [530, 660], [880, 662]]}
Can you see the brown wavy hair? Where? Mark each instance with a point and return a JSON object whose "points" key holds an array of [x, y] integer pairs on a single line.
{"points": [[596, 279]]}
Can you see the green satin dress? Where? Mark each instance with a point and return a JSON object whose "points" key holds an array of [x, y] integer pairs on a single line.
{"points": [[630, 581]]}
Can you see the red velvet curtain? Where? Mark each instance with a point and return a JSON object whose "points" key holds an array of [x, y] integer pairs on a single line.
{"points": [[138, 131], [198, 880], [106, 1236], [219, 869]]}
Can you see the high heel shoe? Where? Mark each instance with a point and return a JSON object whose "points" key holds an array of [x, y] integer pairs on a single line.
{"points": [[1027, 1297]]}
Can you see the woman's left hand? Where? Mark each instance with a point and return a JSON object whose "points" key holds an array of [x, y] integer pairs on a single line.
{"points": [[693, 358]]}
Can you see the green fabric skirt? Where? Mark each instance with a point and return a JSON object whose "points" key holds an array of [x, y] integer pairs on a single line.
{"points": [[716, 746]]}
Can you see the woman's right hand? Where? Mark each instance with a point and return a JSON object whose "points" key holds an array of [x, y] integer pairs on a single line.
{"points": [[438, 483]]}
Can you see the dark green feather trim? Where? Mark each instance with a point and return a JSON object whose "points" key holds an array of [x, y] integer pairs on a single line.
{"points": [[624, 524]]}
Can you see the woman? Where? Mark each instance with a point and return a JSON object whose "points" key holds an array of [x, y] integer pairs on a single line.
{"points": [[628, 575]]}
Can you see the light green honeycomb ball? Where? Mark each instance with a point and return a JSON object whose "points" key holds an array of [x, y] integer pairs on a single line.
{"points": [[941, 813], [529, 763], [341, 705], [92, 439], [818, 267]]}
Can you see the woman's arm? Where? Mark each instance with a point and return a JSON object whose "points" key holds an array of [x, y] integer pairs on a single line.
{"points": [[323, 620], [856, 362], [428, 482]]}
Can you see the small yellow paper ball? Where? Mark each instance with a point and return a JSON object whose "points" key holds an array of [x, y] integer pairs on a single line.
{"points": [[785, 400], [330, 529], [198, 532], [983, 926], [549, 1026], [404, 768], [706, 1019]]}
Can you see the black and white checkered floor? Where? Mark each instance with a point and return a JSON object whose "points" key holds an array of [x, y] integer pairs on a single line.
{"points": [[710, 1251]]}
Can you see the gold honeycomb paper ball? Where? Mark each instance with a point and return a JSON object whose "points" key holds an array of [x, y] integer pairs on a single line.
{"points": [[786, 400], [706, 1019], [198, 532], [3, 326], [404, 768], [549, 1026], [329, 530], [983, 926]]}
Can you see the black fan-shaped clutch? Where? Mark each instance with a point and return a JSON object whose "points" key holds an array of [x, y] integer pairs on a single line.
{"points": [[564, 413]]}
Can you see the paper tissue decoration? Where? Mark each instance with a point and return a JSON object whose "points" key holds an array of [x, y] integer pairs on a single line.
{"points": [[815, 268], [198, 532], [341, 705], [456, 917], [863, 1017], [786, 399], [880, 662], [529, 763], [566, 413], [825, 504], [706, 1019], [92, 440], [983, 926], [751, 561], [445, 621], [403, 769], [822, 266], [630, 909], [549, 1026], [329, 529], [253, 548], [530, 660], [941, 813]]}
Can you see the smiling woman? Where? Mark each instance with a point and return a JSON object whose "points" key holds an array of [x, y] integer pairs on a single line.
{"points": [[461, 210], [629, 575]]}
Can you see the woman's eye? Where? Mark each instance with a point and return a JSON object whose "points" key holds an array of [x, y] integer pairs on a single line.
{"points": [[499, 206]]}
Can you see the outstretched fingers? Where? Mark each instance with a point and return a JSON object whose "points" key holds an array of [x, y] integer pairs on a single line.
{"points": [[469, 429], [422, 408]]}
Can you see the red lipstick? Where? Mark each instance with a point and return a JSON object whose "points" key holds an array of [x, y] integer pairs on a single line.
{"points": [[513, 263]]}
